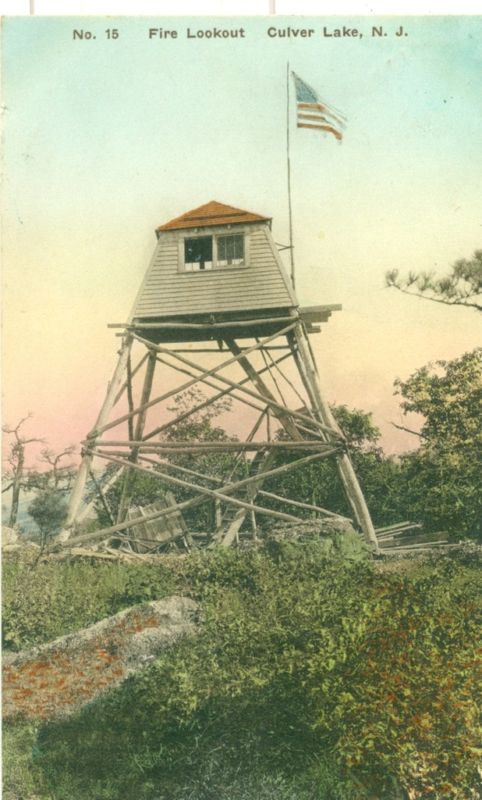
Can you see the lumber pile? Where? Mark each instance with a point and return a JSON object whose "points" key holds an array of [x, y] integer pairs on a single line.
{"points": [[409, 537]]}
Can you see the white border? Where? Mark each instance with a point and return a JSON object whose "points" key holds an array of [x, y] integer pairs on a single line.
{"points": [[232, 7]]}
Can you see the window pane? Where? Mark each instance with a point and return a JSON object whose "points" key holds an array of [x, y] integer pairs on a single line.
{"points": [[198, 253], [230, 249]]}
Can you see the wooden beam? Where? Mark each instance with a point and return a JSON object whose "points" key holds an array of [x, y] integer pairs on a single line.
{"points": [[233, 386], [230, 487], [348, 477], [271, 374], [133, 372], [205, 374], [420, 547], [279, 410], [203, 326], [106, 532], [130, 399], [261, 492], [86, 509], [202, 490], [80, 481], [102, 496], [312, 314], [397, 527], [183, 470], [208, 401], [231, 390], [254, 430], [275, 364], [307, 506], [216, 350], [275, 405], [137, 434], [186, 446], [241, 515], [231, 533]]}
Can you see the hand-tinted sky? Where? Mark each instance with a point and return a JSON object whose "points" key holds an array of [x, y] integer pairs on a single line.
{"points": [[106, 139]]}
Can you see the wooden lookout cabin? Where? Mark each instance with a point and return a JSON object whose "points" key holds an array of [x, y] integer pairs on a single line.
{"points": [[214, 263], [216, 284]]}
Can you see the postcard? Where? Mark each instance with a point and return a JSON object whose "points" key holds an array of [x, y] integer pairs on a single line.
{"points": [[241, 257]]}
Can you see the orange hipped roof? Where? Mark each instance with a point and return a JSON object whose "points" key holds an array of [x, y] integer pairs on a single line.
{"points": [[212, 213]]}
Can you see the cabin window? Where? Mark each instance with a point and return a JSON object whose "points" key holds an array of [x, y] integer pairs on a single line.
{"points": [[198, 253], [210, 252], [230, 250]]}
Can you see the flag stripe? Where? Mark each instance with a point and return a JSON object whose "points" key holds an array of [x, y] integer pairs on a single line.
{"points": [[318, 117], [323, 109], [327, 128]]}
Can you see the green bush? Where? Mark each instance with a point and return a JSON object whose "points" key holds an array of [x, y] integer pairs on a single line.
{"points": [[44, 600], [335, 681]]}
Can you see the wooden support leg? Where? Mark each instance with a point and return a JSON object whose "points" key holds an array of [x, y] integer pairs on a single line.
{"points": [[309, 376], [137, 434], [76, 497]]}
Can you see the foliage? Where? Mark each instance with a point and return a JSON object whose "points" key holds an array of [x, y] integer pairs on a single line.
{"points": [[438, 484], [319, 483], [441, 481], [45, 600], [48, 510], [461, 287], [309, 679], [50, 481]]}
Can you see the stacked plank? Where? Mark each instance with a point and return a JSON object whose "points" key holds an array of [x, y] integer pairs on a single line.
{"points": [[409, 537]]}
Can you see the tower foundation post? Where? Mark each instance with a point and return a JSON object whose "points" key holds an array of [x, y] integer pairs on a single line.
{"points": [[310, 378], [77, 495]]}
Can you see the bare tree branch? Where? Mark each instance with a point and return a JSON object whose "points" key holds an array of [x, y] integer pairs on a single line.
{"points": [[407, 430], [16, 459]]}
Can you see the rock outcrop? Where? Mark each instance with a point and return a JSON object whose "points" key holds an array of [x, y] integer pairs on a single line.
{"points": [[57, 678]]}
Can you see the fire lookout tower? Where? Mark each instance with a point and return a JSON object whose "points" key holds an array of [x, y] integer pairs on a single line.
{"points": [[217, 308]]}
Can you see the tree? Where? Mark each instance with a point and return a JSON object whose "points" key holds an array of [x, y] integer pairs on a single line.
{"points": [[319, 483], [462, 286], [441, 481], [48, 509], [54, 479], [57, 477], [16, 475]]}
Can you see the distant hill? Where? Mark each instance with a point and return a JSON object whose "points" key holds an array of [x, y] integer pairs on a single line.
{"points": [[24, 520]]}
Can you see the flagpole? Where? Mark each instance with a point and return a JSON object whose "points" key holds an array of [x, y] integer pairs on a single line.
{"points": [[290, 214]]}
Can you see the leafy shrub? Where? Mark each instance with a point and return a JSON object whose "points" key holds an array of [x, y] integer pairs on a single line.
{"points": [[338, 682], [48, 509], [45, 600]]}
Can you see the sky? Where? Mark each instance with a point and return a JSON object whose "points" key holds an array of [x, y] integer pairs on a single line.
{"points": [[104, 139]]}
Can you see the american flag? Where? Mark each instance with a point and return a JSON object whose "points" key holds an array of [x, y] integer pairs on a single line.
{"points": [[315, 113]]}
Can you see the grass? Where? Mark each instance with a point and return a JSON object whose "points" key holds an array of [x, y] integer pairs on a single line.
{"points": [[240, 714]]}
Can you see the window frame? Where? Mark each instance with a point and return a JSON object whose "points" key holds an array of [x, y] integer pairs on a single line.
{"points": [[198, 233]]}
